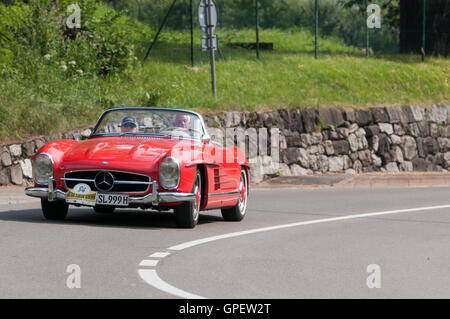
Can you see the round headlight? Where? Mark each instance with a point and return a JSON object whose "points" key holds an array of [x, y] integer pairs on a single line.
{"points": [[42, 168], [169, 173]]}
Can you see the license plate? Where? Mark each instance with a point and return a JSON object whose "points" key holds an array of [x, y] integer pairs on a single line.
{"points": [[112, 199]]}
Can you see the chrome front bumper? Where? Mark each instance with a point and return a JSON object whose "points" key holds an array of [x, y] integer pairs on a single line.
{"points": [[155, 198]]}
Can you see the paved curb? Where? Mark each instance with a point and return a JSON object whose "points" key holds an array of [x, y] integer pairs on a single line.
{"points": [[359, 181]]}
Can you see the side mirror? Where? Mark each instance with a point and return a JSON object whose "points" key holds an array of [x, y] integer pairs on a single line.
{"points": [[86, 133]]}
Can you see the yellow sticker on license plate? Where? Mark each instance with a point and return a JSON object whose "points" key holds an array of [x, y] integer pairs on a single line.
{"points": [[83, 199]]}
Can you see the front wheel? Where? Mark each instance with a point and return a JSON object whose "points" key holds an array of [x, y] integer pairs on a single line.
{"points": [[56, 210], [237, 213], [187, 214]]}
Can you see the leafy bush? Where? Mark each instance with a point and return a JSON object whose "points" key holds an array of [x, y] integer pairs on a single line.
{"points": [[100, 46], [13, 25]]}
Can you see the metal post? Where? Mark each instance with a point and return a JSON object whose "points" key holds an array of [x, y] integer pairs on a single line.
{"points": [[257, 27], [211, 49], [219, 49], [367, 27], [424, 28], [159, 30], [316, 43], [192, 33]]}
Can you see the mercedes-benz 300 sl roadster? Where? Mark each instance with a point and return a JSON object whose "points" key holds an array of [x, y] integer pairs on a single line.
{"points": [[143, 157]]}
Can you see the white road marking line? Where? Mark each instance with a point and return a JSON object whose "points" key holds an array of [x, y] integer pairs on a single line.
{"points": [[151, 277], [159, 255], [148, 262], [193, 243]]}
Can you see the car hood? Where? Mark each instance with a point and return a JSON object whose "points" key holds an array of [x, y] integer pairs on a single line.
{"points": [[123, 148]]}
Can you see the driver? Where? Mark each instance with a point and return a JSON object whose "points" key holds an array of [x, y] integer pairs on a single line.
{"points": [[129, 125], [182, 121]]}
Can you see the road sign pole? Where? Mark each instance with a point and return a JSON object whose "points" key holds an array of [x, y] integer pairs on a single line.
{"points": [[211, 47]]}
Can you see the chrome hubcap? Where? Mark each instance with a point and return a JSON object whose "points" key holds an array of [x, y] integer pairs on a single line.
{"points": [[197, 192], [243, 193]]}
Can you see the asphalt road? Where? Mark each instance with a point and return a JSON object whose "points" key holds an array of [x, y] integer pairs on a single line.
{"points": [[326, 258]]}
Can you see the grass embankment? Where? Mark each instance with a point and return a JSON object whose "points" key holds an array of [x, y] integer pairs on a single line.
{"points": [[44, 100]]}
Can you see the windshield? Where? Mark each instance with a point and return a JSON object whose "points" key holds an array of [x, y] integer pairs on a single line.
{"points": [[152, 122]]}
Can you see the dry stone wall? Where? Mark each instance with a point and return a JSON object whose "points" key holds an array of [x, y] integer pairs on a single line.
{"points": [[311, 141], [15, 159], [327, 140]]}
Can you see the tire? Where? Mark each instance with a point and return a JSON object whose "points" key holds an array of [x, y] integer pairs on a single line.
{"points": [[237, 213], [56, 210], [101, 209], [187, 214]]}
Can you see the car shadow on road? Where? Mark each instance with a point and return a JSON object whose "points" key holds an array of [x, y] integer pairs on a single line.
{"points": [[137, 219]]}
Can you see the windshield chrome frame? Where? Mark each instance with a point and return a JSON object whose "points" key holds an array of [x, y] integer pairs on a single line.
{"points": [[205, 136]]}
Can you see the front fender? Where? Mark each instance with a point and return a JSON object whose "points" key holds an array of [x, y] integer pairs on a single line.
{"points": [[56, 150]]}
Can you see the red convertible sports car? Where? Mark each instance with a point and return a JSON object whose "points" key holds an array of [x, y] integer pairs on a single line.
{"points": [[143, 157]]}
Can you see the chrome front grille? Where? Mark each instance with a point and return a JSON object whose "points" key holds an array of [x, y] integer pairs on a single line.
{"points": [[122, 182]]}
